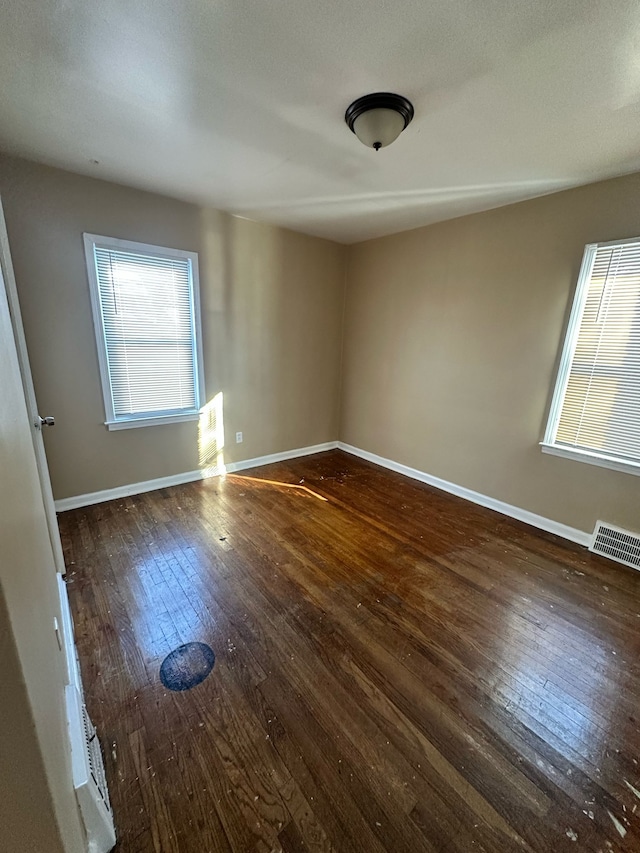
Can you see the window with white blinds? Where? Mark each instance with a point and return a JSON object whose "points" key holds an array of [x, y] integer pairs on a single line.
{"points": [[145, 307], [595, 413]]}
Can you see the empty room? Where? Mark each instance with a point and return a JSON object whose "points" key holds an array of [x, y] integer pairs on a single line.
{"points": [[319, 427]]}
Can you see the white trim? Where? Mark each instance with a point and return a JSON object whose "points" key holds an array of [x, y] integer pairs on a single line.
{"points": [[187, 477], [572, 333], [232, 467], [592, 458], [91, 241], [126, 491], [73, 671], [132, 423], [570, 342], [618, 242], [539, 521]]}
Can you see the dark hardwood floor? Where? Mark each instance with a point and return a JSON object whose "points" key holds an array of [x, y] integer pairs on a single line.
{"points": [[396, 669]]}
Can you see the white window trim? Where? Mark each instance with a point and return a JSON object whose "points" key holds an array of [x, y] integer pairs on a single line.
{"points": [[548, 444], [592, 458], [140, 420]]}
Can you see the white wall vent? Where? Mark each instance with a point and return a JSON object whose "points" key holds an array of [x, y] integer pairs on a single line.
{"points": [[617, 544], [89, 779]]}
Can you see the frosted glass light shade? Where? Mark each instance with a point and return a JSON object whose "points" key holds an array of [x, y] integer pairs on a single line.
{"points": [[379, 118], [378, 128]]}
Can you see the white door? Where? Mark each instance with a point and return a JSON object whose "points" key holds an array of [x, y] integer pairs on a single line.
{"points": [[32, 551], [37, 423], [8, 283], [28, 584]]}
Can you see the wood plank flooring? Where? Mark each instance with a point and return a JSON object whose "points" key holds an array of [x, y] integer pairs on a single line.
{"points": [[396, 670]]}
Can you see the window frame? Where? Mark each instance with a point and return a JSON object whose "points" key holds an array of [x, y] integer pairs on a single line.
{"points": [[548, 445], [140, 419]]}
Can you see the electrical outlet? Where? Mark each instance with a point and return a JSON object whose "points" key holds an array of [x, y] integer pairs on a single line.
{"points": [[238, 438]]}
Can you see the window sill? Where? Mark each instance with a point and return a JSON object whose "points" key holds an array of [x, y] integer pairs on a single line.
{"points": [[592, 458], [133, 423]]}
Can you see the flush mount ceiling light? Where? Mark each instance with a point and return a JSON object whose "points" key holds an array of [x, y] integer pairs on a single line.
{"points": [[378, 119]]}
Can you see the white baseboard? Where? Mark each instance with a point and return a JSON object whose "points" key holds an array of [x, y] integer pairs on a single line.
{"points": [[125, 491], [232, 467], [187, 477], [539, 521]]}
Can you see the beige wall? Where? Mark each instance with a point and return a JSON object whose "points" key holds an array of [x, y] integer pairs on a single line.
{"points": [[451, 338], [272, 303], [451, 341], [38, 810]]}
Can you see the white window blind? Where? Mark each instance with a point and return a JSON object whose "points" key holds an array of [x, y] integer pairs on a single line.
{"points": [[145, 301], [596, 406]]}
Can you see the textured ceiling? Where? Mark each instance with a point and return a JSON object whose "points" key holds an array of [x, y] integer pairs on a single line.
{"points": [[239, 104]]}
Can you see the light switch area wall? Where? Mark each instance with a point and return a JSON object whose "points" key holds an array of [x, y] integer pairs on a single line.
{"points": [[272, 303]]}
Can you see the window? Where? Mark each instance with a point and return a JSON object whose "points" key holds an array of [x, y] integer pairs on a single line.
{"points": [[595, 413], [147, 322]]}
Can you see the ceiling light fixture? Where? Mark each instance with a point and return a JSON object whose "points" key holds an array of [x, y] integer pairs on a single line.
{"points": [[378, 119]]}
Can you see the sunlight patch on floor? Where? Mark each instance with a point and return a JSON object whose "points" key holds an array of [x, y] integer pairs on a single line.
{"points": [[279, 483]]}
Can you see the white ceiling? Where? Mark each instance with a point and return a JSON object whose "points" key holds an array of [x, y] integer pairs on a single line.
{"points": [[239, 104]]}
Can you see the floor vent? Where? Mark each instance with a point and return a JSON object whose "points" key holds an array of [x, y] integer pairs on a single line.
{"points": [[94, 759], [88, 776], [617, 544]]}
